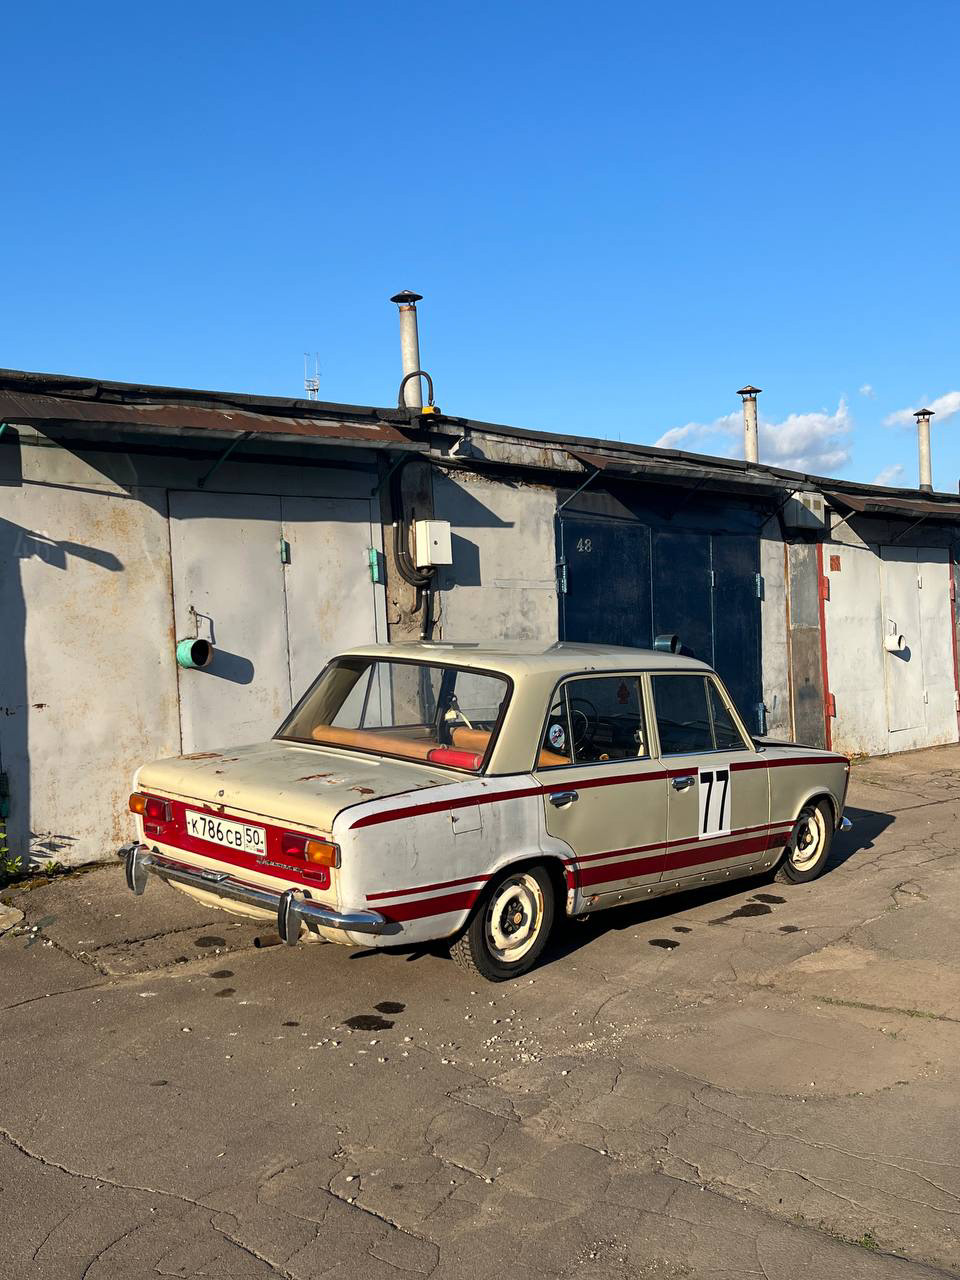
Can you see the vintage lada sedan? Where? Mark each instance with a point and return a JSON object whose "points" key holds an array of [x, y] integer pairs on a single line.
{"points": [[473, 794]]}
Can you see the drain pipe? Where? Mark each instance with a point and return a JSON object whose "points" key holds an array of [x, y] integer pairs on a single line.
{"points": [[406, 302], [750, 435], [923, 417]]}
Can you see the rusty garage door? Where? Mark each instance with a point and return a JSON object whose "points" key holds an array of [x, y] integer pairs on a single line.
{"points": [[277, 585]]}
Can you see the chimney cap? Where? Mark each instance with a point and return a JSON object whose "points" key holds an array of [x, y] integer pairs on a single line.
{"points": [[749, 391], [406, 297], [924, 413]]}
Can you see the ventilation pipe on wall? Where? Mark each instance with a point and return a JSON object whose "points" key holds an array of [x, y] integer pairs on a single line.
{"points": [[923, 417], [409, 346], [750, 438]]}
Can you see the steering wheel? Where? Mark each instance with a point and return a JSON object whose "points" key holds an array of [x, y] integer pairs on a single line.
{"points": [[583, 724]]}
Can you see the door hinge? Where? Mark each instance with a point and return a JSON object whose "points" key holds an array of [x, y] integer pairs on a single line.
{"points": [[375, 560], [284, 551], [759, 586], [956, 701], [831, 705], [919, 581], [761, 718], [824, 587], [925, 696], [562, 577]]}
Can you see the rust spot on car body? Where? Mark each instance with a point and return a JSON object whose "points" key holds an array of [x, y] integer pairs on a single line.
{"points": [[364, 791], [204, 755], [312, 777]]}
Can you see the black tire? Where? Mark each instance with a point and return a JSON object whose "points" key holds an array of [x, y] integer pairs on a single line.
{"points": [[484, 947], [808, 849]]}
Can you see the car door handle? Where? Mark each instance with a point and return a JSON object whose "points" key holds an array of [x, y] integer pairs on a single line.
{"points": [[560, 798], [681, 784]]}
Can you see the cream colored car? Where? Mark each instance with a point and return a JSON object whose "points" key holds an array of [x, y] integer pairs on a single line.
{"points": [[446, 791]]}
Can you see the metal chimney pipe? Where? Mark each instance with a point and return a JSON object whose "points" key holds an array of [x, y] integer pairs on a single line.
{"points": [[750, 434], [410, 345], [923, 417]]}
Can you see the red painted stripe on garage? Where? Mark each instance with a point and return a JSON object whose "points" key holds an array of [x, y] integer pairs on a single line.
{"points": [[492, 797]]}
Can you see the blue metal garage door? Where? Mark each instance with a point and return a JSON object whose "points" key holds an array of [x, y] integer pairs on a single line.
{"points": [[623, 582]]}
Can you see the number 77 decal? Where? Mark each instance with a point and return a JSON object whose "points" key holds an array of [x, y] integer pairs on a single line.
{"points": [[714, 791]]}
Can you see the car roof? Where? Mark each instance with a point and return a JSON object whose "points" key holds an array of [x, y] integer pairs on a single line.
{"points": [[524, 657]]}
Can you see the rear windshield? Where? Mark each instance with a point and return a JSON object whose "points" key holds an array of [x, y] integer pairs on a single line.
{"points": [[441, 715]]}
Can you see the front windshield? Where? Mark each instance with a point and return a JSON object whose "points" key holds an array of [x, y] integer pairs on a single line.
{"points": [[441, 715]]}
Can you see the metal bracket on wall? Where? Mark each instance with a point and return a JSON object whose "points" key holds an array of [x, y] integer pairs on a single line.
{"points": [[202, 482], [562, 577]]}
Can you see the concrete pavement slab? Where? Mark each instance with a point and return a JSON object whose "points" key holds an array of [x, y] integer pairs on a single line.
{"points": [[774, 1096]]}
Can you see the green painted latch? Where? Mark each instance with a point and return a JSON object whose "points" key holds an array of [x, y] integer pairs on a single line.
{"points": [[284, 551], [376, 564]]}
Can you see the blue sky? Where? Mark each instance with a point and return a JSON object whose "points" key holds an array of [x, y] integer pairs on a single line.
{"points": [[617, 213]]}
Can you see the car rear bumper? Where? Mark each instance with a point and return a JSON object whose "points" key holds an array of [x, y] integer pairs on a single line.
{"points": [[292, 907]]}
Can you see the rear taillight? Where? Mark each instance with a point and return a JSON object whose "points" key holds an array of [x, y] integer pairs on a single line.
{"points": [[313, 857], [455, 759], [151, 808]]}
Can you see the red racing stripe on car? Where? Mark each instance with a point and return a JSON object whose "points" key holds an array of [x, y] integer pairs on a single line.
{"points": [[780, 764], [670, 844], [427, 888], [463, 802], [717, 852], [682, 858], [438, 906]]}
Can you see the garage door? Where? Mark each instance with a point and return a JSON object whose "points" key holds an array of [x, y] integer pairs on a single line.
{"points": [[278, 585]]}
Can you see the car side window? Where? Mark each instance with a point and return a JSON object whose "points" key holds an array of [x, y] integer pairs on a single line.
{"points": [[725, 731], [692, 716], [606, 719], [683, 716]]}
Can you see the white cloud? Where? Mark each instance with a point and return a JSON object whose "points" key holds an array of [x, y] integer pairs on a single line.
{"points": [[889, 474], [818, 443], [868, 391], [944, 407]]}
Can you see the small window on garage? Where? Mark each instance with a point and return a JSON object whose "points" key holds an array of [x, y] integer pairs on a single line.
{"points": [[692, 716], [606, 719]]}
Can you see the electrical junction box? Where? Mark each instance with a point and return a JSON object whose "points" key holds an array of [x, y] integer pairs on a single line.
{"points": [[431, 543]]}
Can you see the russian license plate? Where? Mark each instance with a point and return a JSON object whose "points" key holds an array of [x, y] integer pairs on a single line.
{"points": [[232, 835]]}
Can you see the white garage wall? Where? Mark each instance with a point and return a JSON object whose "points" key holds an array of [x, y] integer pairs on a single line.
{"points": [[502, 583], [86, 681]]}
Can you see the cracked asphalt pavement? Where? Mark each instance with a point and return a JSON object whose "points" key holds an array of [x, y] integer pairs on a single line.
{"points": [[755, 1080]]}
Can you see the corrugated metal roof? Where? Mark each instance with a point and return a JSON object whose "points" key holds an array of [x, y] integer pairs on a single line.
{"points": [[878, 503], [19, 407], [37, 398]]}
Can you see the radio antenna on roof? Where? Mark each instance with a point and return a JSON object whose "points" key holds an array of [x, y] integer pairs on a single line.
{"points": [[312, 385]]}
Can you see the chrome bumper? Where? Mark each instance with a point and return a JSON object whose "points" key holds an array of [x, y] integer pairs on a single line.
{"points": [[293, 907]]}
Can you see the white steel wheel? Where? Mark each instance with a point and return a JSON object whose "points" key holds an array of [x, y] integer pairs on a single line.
{"points": [[510, 927], [514, 917], [809, 845]]}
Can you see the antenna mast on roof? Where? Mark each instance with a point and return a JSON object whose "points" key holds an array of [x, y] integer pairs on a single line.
{"points": [[312, 385]]}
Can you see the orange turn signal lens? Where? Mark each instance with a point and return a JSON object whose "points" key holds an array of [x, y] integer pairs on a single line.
{"points": [[322, 854], [138, 802]]}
